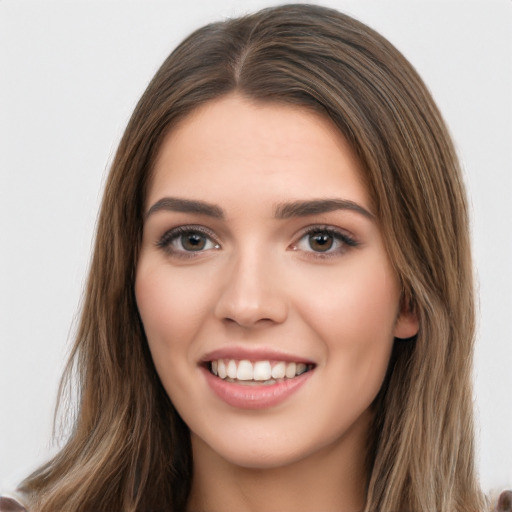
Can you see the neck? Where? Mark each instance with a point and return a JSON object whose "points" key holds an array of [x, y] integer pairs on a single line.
{"points": [[330, 480]]}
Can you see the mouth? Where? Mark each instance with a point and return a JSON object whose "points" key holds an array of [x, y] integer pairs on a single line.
{"points": [[255, 377], [256, 373]]}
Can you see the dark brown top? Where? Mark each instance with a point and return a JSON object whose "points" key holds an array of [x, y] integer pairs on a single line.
{"points": [[10, 505]]}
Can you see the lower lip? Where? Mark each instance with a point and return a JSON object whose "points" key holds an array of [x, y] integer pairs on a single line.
{"points": [[255, 397]]}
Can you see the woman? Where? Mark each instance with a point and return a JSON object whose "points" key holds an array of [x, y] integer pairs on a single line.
{"points": [[285, 207]]}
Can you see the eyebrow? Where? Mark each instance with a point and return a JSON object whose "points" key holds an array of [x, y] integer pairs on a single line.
{"points": [[186, 206], [316, 206], [282, 210]]}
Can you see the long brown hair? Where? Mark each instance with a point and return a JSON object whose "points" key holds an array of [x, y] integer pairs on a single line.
{"points": [[129, 450]]}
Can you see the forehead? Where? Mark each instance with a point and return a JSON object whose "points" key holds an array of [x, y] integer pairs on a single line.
{"points": [[234, 146]]}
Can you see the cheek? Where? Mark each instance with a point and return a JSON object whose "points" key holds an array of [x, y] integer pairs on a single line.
{"points": [[361, 298], [170, 307], [170, 316], [157, 306], [170, 313], [355, 314]]}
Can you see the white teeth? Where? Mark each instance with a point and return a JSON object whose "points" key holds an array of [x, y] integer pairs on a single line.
{"points": [[221, 369], [301, 368], [231, 369], [279, 370], [244, 371], [290, 370], [262, 370], [259, 371]]}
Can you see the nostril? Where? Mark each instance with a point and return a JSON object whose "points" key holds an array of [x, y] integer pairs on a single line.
{"points": [[249, 321]]}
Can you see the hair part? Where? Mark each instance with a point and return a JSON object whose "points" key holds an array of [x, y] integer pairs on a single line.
{"points": [[129, 449]]}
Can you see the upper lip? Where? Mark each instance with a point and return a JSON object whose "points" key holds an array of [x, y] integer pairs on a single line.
{"points": [[253, 354]]}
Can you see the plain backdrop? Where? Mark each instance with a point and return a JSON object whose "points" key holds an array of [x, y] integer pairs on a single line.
{"points": [[70, 75]]}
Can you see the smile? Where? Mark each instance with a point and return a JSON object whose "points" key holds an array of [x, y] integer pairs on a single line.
{"points": [[255, 384], [256, 372]]}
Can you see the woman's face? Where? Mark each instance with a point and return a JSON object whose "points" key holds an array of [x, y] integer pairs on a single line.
{"points": [[265, 290]]}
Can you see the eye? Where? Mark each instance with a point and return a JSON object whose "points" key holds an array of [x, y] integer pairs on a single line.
{"points": [[321, 242], [184, 241], [324, 241]]}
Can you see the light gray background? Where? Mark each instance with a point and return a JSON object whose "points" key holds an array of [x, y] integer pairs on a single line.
{"points": [[70, 75]]}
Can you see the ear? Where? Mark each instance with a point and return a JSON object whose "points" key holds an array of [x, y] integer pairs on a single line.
{"points": [[407, 324]]}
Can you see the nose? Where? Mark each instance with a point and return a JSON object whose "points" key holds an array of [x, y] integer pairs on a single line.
{"points": [[252, 294]]}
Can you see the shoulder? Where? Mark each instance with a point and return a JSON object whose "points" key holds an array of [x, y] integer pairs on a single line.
{"points": [[11, 505], [504, 502]]}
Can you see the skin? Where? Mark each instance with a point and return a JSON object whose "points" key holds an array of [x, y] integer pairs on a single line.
{"points": [[260, 281]]}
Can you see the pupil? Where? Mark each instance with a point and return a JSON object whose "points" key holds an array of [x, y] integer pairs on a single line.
{"points": [[193, 241], [320, 242]]}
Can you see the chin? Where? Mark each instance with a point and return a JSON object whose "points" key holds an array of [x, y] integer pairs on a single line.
{"points": [[267, 450], [264, 460]]}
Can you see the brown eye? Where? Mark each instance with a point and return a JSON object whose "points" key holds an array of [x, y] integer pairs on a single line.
{"points": [[187, 240], [193, 241], [324, 241], [321, 242]]}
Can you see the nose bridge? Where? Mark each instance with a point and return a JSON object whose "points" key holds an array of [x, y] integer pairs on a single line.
{"points": [[252, 292]]}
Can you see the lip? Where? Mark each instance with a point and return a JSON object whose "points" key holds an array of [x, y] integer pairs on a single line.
{"points": [[252, 354], [254, 397]]}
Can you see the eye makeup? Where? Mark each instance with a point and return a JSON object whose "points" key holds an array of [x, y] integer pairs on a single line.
{"points": [[316, 241], [188, 241]]}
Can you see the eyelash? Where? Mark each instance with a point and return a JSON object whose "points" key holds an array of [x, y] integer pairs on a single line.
{"points": [[173, 235], [344, 240]]}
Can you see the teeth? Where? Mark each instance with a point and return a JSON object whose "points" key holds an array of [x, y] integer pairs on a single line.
{"points": [[301, 368], [279, 370], [221, 369], [260, 371], [290, 370], [245, 370], [231, 369]]}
